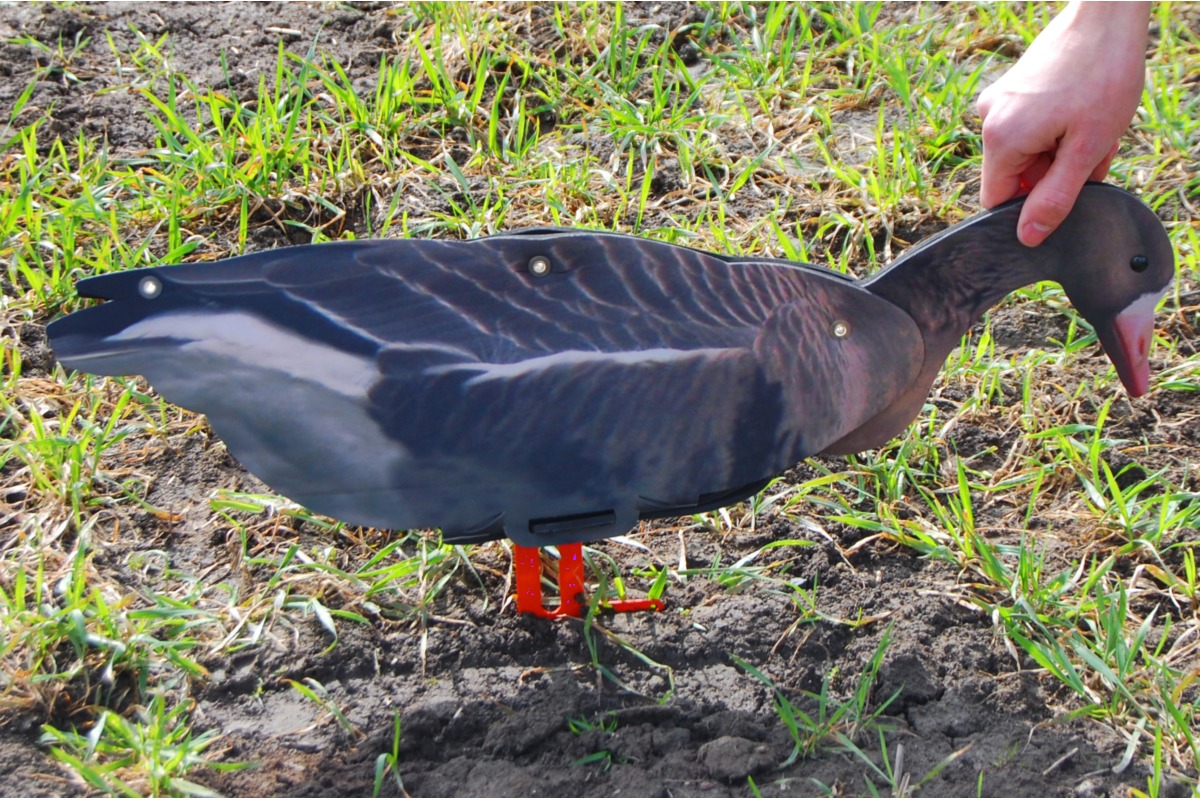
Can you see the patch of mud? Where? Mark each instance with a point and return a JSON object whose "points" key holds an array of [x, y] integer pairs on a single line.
{"points": [[491, 710], [61, 46]]}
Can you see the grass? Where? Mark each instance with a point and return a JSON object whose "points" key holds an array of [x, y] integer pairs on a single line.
{"points": [[599, 728], [153, 752], [829, 721], [389, 763], [837, 135]]}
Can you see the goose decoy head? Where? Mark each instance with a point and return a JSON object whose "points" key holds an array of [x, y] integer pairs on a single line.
{"points": [[87, 340], [1115, 263]]}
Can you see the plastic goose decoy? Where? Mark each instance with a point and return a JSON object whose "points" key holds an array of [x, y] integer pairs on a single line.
{"points": [[556, 386]]}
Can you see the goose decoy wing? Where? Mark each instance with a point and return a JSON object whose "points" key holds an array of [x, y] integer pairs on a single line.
{"points": [[552, 387]]}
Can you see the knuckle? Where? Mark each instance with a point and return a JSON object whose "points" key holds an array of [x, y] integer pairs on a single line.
{"points": [[1084, 149], [993, 131], [998, 130], [983, 104], [1055, 203]]}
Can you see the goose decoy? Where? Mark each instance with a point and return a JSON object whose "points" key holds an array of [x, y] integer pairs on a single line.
{"points": [[556, 386]]}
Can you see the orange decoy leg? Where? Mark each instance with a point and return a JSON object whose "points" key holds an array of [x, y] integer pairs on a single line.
{"points": [[527, 563]]}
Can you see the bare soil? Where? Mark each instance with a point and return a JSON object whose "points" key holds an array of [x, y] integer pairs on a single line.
{"points": [[484, 695]]}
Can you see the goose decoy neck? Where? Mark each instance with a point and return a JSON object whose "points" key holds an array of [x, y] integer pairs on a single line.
{"points": [[1111, 255], [947, 282]]}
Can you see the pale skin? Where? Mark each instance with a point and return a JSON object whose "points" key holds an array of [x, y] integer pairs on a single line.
{"points": [[1055, 119]]}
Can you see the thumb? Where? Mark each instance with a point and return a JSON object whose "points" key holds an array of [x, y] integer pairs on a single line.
{"points": [[1054, 195]]}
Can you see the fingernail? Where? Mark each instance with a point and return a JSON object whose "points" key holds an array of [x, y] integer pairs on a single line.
{"points": [[1032, 233]]}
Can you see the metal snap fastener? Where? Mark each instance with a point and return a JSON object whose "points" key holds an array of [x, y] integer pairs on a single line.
{"points": [[150, 287]]}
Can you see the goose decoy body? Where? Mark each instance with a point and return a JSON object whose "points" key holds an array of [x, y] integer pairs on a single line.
{"points": [[556, 386]]}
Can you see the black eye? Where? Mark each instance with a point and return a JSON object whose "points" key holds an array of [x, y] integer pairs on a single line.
{"points": [[1139, 263]]}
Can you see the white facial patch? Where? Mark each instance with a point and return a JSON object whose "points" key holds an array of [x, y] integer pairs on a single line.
{"points": [[1145, 304], [254, 343]]}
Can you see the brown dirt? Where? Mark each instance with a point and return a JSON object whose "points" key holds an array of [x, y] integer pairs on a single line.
{"points": [[485, 696]]}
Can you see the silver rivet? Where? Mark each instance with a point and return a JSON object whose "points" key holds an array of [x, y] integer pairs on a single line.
{"points": [[841, 329], [150, 287], [539, 266]]}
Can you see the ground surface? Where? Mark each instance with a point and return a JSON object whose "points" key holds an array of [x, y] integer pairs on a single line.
{"points": [[490, 703]]}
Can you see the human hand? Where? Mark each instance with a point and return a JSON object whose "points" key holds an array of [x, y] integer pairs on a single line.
{"points": [[1055, 119]]}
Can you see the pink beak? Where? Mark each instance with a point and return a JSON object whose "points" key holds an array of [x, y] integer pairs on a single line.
{"points": [[1130, 352]]}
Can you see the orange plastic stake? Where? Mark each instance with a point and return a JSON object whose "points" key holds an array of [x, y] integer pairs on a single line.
{"points": [[527, 563]]}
